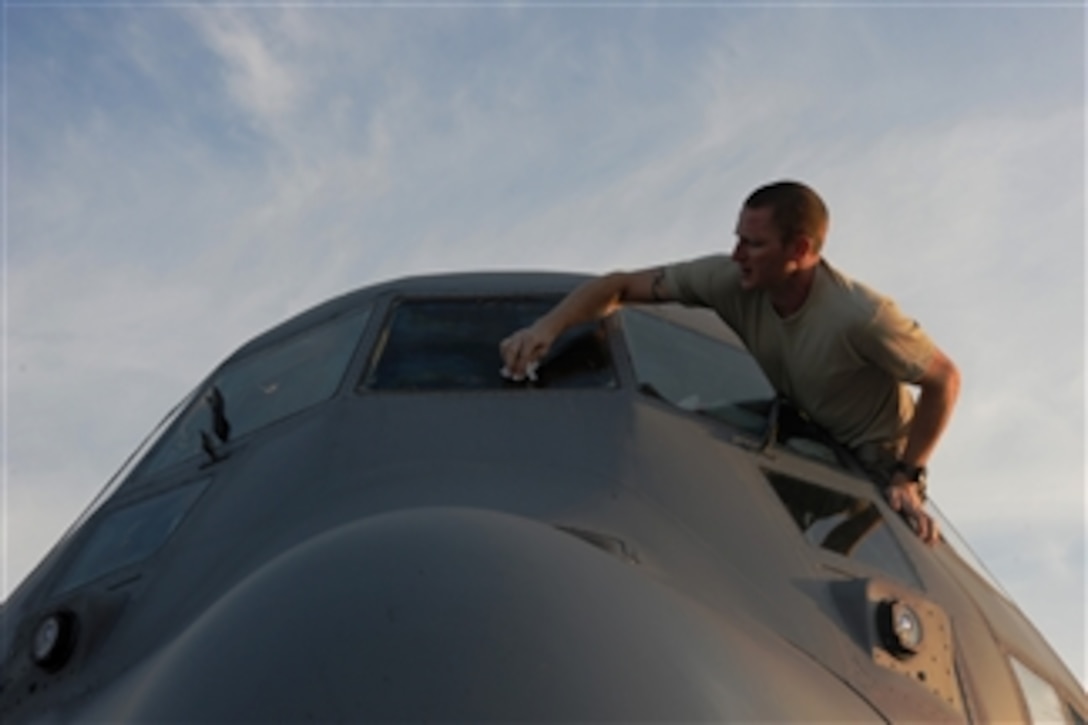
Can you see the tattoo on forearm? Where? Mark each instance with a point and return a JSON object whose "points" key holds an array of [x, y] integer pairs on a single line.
{"points": [[657, 288]]}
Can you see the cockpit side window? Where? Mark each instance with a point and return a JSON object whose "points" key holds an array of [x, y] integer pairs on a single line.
{"points": [[697, 373], [127, 535], [453, 344], [261, 388], [720, 380], [843, 524], [1044, 704]]}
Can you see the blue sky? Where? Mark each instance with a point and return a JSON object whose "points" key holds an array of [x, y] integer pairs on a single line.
{"points": [[181, 176]]}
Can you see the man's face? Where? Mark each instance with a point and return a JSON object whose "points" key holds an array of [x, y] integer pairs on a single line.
{"points": [[762, 257]]}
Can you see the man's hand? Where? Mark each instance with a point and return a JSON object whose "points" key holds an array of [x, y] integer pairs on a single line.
{"points": [[523, 350], [904, 497]]}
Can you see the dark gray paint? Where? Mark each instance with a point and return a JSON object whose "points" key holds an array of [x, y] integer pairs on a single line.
{"points": [[528, 554]]}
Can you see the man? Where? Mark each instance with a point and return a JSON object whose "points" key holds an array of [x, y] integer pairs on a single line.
{"points": [[842, 353]]}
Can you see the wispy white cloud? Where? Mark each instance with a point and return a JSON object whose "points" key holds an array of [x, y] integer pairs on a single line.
{"points": [[258, 77]]}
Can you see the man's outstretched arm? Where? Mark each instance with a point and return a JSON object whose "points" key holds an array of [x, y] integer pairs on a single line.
{"points": [[591, 300]]}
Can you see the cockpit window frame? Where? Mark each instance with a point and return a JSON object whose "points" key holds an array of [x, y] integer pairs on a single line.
{"points": [[846, 563]]}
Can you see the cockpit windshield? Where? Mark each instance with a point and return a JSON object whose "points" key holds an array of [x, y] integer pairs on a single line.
{"points": [[452, 344], [263, 387]]}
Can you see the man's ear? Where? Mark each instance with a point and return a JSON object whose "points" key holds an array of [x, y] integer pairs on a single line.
{"points": [[802, 246]]}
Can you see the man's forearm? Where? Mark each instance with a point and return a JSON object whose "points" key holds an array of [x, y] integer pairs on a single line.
{"points": [[932, 413], [589, 301]]}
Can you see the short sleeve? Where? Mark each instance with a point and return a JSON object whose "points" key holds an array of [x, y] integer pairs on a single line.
{"points": [[895, 343], [701, 282]]}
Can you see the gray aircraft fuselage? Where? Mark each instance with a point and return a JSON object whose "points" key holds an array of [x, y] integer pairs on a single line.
{"points": [[356, 518]]}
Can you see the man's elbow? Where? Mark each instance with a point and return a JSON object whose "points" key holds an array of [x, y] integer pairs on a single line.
{"points": [[637, 286], [943, 378], [611, 290]]}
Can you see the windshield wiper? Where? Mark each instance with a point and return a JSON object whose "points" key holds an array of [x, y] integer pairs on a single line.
{"points": [[217, 405]]}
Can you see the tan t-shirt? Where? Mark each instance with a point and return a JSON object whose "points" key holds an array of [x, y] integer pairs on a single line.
{"points": [[843, 358]]}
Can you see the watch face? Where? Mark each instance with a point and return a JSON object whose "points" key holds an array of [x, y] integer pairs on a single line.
{"points": [[913, 473]]}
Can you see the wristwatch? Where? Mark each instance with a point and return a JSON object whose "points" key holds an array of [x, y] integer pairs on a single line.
{"points": [[913, 473]]}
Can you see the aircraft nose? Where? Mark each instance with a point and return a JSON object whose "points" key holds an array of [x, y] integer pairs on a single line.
{"points": [[431, 614], [450, 614]]}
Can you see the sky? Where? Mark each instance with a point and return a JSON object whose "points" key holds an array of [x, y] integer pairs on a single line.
{"points": [[179, 177]]}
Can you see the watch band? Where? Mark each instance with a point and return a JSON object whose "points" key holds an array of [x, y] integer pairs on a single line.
{"points": [[912, 472], [915, 474]]}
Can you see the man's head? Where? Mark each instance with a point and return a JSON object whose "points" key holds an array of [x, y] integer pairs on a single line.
{"points": [[780, 232], [797, 211]]}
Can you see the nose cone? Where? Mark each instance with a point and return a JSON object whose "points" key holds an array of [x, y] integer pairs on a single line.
{"points": [[455, 615]]}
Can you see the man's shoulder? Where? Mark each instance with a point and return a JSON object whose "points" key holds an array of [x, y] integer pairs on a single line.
{"points": [[854, 301], [876, 324]]}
